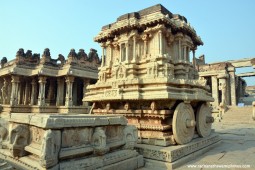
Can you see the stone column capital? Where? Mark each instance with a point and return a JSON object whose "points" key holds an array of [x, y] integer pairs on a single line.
{"points": [[69, 79], [42, 79], [15, 79]]}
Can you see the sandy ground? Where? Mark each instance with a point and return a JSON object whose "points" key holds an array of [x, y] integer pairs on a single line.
{"points": [[236, 151]]}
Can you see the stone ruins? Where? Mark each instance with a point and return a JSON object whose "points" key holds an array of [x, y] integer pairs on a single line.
{"points": [[227, 87], [143, 104], [43, 123]]}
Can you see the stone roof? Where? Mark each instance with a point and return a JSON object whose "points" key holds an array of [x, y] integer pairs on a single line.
{"points": [[147, 17]]}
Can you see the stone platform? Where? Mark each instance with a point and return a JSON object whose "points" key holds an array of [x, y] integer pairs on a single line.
{"points": [[158, 157], [60, 142]]}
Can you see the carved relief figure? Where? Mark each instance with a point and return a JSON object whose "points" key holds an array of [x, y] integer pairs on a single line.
{"points": [[99, 141], [50, 148], [19, 136], [4, 91], [130, 136]]}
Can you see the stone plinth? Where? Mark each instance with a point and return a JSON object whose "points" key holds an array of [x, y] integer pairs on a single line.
{"points": [[157, 157], [43, 141]]}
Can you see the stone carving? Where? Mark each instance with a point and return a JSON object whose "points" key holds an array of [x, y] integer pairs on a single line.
{"points": [[19, 138], [3, 61], [130, 137], [99, 141], [82, 55], [47, 60], [50, 148], [27, 58], [93, 56], [4, 91], [149, 68]]}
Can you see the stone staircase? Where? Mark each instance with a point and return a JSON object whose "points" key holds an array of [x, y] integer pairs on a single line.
{"points": [[238, 115]]}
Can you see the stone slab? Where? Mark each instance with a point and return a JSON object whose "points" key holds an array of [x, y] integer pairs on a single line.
{"points": [[56, 121], [174, 153]]}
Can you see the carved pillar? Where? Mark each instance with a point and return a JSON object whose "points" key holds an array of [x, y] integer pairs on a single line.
{"points": [[69, 91], [180, 50], [194, 58], [86, 82], [215, 92], [145, 39], [60, 92], [223, 88], [160, 42], [134, 49], [127, 52], [50, 95], [26, 98], [184, 53], [33, 92], [188, 57], [41, 96], [103, 55], [110, 53], [14, 91]]}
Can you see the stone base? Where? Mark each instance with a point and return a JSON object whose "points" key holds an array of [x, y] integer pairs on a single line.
{"points": [[123, 159], [157, 157]]}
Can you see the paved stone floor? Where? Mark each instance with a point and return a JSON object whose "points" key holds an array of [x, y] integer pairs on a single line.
{"points": [[236, 151]]}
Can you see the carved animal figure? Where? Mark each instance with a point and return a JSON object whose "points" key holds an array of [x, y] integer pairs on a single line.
{"points": [[18, 140]]}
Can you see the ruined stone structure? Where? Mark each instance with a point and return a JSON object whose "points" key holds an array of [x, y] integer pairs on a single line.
{"points": [[41, 125], [146, 75], [45, 85], [44, 141], [227, 87]]}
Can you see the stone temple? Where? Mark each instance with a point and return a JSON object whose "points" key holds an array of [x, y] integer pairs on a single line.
{"points": [[146, 75], [143, 104]]}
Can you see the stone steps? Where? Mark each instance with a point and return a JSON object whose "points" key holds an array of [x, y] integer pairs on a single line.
{"points": [[238, 115]]}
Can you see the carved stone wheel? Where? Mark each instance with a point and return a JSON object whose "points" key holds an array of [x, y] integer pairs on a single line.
{"points": [[204, 120], [183, 123]]}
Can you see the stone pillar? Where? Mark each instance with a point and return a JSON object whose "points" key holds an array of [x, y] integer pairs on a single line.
{"points": [[14, 92], [127, 52], [33, 92], [160, 42], [103, 55], [41, 96], [188, 57], [111, 53], [223, 88], [180, 50], [60, 92], [134, 49], [86, 82], [50, 95], [194, 58], [215, 90], [27, 90], [184, 53], [69, 91]]}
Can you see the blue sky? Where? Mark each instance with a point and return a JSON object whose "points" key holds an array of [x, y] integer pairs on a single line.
{"points": [[227, 27]]}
